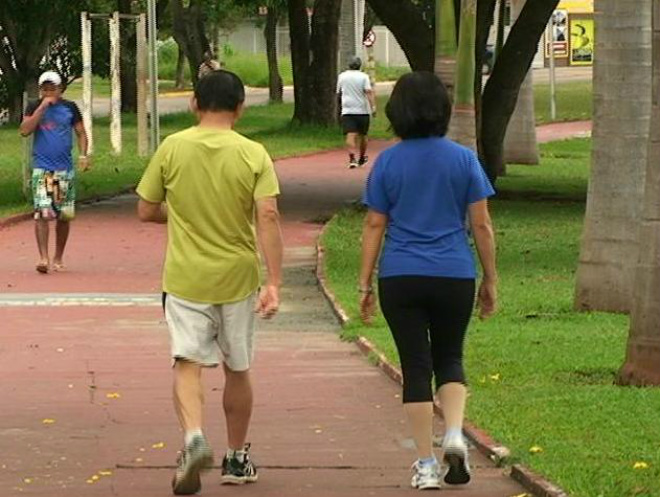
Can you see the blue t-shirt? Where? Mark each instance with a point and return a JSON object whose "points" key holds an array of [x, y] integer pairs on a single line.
{"points": [[425, 187], [53, 137]]}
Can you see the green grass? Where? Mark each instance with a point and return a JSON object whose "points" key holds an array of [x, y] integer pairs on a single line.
{"points": [[540, 373], [269, 125], [574, 101]]}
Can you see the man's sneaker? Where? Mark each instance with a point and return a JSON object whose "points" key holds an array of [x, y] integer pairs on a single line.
{"points": [[238, 470], [193, 459], [353, 163], [363, 161], [425, 476], [456, 458]]}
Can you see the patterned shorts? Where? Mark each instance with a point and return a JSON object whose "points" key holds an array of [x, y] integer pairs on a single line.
{"points": [[53, 194]]}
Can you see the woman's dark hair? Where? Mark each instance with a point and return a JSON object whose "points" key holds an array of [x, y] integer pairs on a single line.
{"points": [[219, 91], [419, 106]]}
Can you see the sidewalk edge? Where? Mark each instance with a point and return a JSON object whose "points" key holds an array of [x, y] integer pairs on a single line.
{"points": [[484, 443]]}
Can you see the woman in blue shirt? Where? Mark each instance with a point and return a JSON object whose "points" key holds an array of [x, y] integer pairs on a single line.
{"points": [[418, 196]]}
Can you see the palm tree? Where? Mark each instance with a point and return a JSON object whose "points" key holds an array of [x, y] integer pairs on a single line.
{"points": [[445, 42], [462, 128], [642, 366], [622, 101], [520, 145]]}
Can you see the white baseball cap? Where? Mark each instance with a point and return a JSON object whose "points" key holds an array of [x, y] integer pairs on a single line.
{"points": [[50, 77]]}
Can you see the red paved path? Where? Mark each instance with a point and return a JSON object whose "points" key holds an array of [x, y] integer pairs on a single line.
{"points": [[326, 422]]}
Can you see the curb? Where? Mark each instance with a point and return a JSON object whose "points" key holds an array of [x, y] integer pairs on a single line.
{"points": [[26, 216], [483, 442]]}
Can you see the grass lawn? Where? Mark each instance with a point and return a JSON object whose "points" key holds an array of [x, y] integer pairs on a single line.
{"points": [[540, 374], [574, 101], [269, 125]]}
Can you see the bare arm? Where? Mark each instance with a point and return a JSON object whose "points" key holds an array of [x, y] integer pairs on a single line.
{"points": [[150, 212], [270, 240], [371, 96], [30, 123], [484, 237], [375, 224], [82, 138]]}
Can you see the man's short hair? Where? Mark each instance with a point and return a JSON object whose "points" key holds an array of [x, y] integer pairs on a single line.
{"points": [[219, 91], [419, 106], [355, 63]]}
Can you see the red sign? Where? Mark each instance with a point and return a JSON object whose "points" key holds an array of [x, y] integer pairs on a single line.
{"points": [[370, 39]]}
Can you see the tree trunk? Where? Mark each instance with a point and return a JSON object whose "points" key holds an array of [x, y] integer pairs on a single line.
{"points": [[275, 85], [299, 30], [501, 93], [642, 366], [180, 78], [462, 127], [324, 43], [485, 16], [189, 33], [346, 34], [314, 73], [520, 146], [622, 97], [413, 33], [128, 60], [445, 43]]}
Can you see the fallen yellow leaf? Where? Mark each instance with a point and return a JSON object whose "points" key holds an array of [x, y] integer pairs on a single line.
{"points": [[105, 473], [90, 481], [113, 395], [48, 421], [158, 445], [495, 377], [27, 480], [521, 495], [535, 449], [640, 465]]}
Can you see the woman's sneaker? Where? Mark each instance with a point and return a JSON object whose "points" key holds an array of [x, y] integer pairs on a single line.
{"points": [[425, 476], [239, 468], [456, 458], [193, 459]]}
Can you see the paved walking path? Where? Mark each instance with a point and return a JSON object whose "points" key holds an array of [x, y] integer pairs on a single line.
{"points": [[85, 401]]}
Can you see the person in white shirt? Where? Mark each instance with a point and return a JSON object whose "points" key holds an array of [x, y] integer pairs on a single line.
{"points": [[358, 103]]}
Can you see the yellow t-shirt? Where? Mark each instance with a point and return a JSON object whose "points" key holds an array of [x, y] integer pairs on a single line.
{"points": [[210, 180]]}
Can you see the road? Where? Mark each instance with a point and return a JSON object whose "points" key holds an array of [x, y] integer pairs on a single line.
{"points": [[179, 102]]}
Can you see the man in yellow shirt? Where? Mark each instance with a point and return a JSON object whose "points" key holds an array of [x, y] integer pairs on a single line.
{"points": [[210, 185]]}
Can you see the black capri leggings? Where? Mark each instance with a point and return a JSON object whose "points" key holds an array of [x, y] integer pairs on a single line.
{"points": [[428, 317]]}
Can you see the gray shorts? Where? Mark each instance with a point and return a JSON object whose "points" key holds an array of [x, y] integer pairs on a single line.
{"points": [[207, 334]]}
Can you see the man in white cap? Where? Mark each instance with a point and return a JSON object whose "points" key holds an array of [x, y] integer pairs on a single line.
{"points": [[53, 119]]}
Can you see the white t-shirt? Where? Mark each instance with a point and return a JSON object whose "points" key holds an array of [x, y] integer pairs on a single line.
{"points": [[352, 85]]}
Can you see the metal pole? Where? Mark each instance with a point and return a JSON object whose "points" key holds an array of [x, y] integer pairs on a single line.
{"points": [[153, 77], [86, 37], [115, 96], [551, 63], [141, 70]]}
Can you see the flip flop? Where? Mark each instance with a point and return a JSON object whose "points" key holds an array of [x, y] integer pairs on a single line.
{"points": [[59, 267], [42, 268]]}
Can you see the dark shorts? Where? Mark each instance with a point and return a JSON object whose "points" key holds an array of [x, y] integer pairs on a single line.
{"points": [[356, 123]]}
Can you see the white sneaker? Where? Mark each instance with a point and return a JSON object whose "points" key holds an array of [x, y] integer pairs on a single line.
{"points": [[426, 476], [456, 458]]}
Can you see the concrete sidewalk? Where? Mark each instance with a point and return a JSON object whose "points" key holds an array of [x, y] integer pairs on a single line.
{"points": [[86, 391]]}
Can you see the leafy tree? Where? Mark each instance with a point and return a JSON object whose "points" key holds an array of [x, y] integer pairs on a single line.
{"points": [[27, 29]]}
